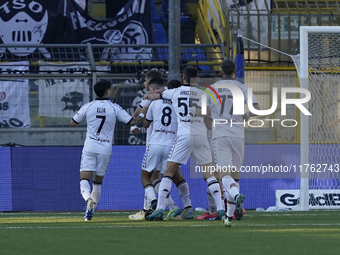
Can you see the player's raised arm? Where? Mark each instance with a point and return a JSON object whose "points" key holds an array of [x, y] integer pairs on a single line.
{"points": [[148, 119], [152, 97], [139, 118]]}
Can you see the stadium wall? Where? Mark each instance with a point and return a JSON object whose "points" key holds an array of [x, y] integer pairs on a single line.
{"points": [[47, 178]]}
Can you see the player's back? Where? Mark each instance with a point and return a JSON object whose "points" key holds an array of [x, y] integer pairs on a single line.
{"points": [[185, 100], [101, 116], [235, 125], [163, 127]]}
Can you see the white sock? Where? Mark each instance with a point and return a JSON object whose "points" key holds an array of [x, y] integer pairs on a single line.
{"points": [[150, 192], [183, 189], [227, 181], [168, 201], [85, 189], [214, 188], [145, 207], [238, 185], [164, 190], [96, 192], [211, 203], [230, 206], [156, 184]]}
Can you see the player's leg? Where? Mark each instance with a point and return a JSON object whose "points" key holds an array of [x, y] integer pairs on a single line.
{"points": [[101, 165], [162, 166], [223, 149], [85, 190], [201, 153], [212, 212], [179, 154], [148, 187], [155, 181], [164, 190], [85, 187], [238, 156], [151, 160], [173, 208], [96, 188], [184, 191], [101, 168], [87, 168], [215, 191], [165, 185], [168, 201]]}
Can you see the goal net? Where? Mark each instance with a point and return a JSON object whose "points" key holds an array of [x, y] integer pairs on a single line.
{"points": [[318, 66]]}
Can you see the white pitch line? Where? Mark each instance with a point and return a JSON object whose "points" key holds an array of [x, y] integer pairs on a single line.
{"points": [[167, 226]]}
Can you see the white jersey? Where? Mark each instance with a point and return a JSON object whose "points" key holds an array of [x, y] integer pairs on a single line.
{"points": [[163, 127], [144, 103], [101, 116], [225, 111], [147, 102], [185, 101]]}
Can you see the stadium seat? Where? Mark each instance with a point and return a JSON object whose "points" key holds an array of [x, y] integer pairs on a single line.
{"points": [[195, 54], [154, 14], [162, 54]]}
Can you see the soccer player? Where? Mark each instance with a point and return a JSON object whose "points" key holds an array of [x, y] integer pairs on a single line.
{"points": [[155, 174], [228, 139], [101, 115], [208, 79], [135, 130], [161, 123], [174, 84], [191, 140]]}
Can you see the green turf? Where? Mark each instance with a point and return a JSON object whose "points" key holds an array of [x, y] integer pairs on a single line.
{"points": [[287, 233]]}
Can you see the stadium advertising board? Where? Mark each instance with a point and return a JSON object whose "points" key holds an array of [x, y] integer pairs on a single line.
{"points": [[318, 199]]}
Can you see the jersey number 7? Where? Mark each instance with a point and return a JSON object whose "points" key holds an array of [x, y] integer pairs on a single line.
{"points": [[101, 123], [224, 97]]}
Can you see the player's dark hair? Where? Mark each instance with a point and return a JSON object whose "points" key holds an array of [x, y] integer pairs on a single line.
{"points": [[173, 84], [189, 72], [228, 67], [153, 74], [207, 79], [157, 82], [101, 87]]}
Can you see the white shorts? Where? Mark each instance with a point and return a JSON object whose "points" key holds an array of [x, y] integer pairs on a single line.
{"points": [[155, 157], [229, 151], [94, 162], [195, 145]]}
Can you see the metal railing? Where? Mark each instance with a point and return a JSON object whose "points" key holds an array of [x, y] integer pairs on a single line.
{"points": [[103, 61], [272, 23]]}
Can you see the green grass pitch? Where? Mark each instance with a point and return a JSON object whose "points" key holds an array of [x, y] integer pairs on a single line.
{"points": [[286, 233]]}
